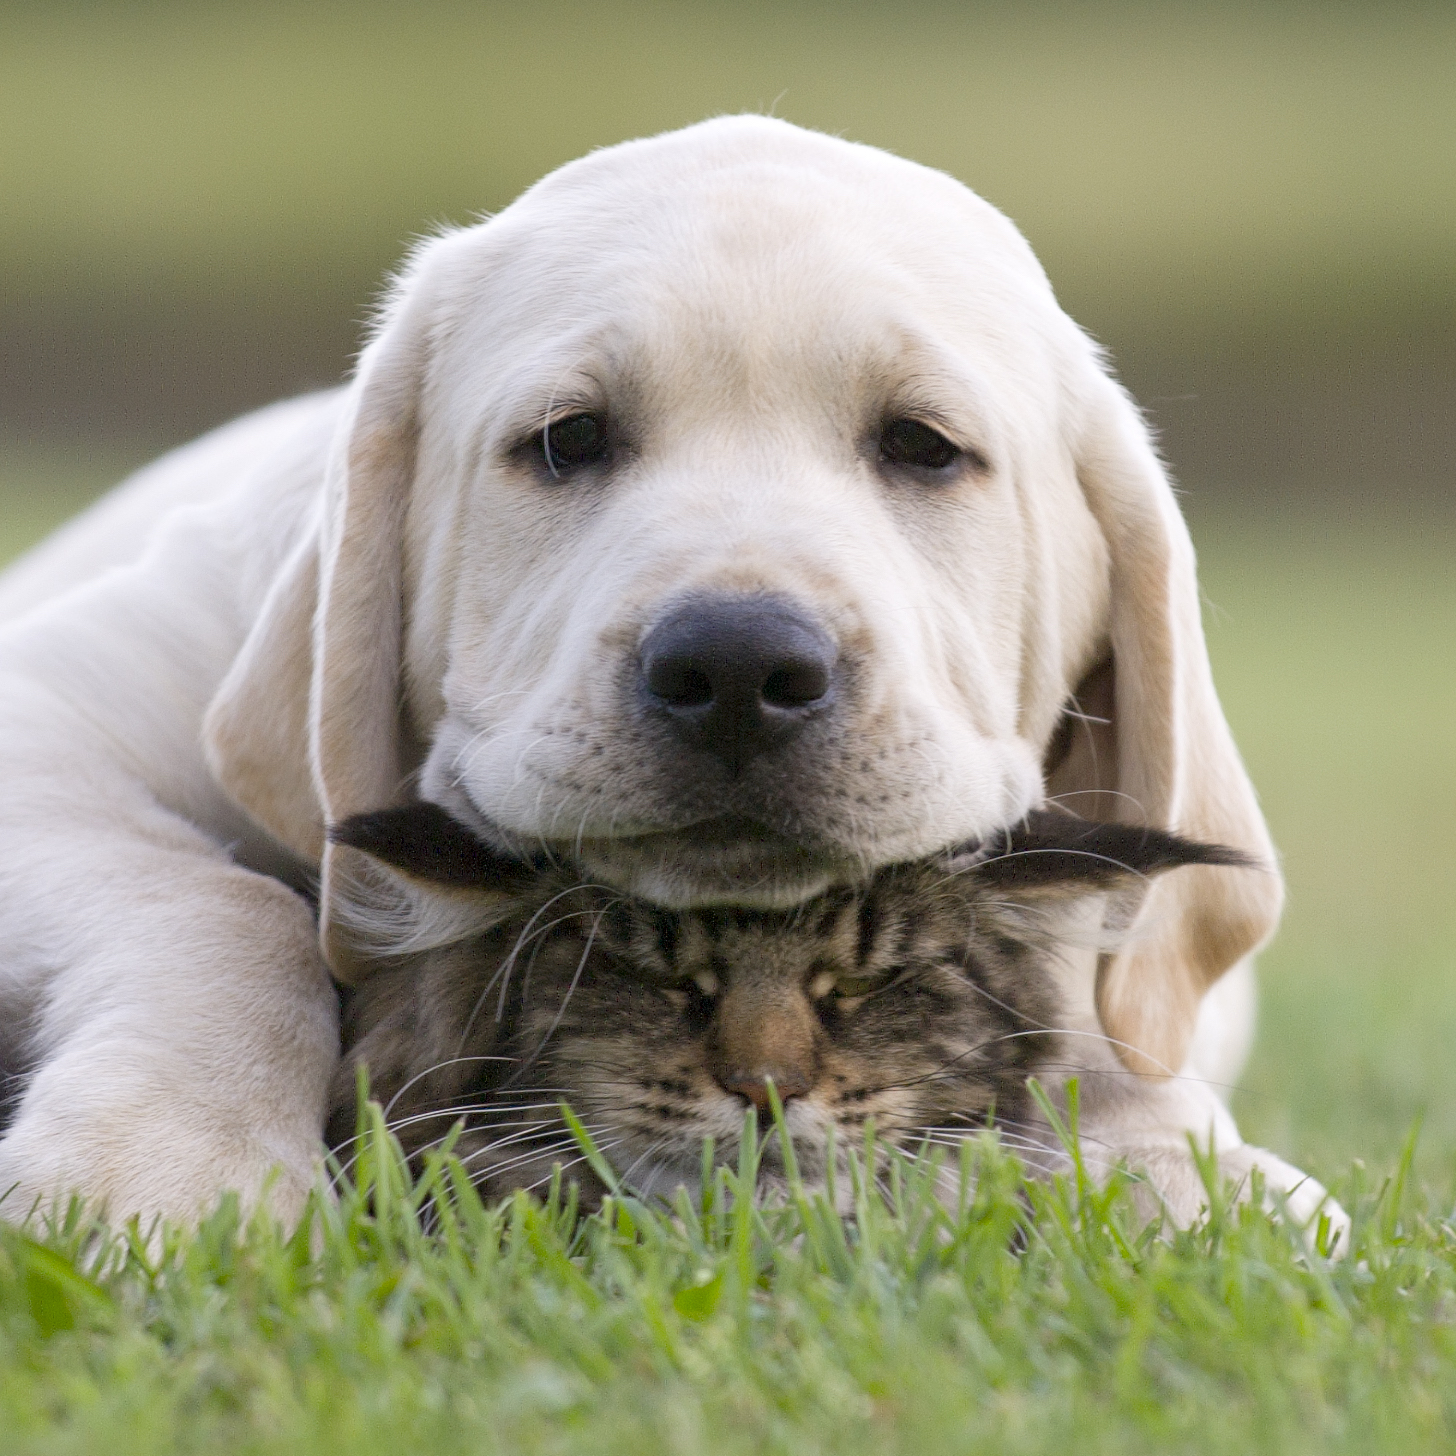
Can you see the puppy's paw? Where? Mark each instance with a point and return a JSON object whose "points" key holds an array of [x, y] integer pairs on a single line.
{"points": [[1171, 1183], [1303, 1200], [157, 1170]]}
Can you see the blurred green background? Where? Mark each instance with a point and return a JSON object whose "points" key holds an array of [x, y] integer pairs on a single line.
{"points": [[1253, 205]]}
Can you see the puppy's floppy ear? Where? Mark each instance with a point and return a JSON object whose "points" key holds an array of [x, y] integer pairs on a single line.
{"points": [[255, 732], [1165, 756], [309, 727], [358, 734]]}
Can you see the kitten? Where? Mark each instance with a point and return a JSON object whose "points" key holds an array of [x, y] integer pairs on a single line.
{"points": [[923, 999]]}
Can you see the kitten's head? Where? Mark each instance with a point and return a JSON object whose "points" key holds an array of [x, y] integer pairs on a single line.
{"points": [[923, 999]]}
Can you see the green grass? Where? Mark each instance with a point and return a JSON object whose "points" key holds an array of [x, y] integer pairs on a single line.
{"points": [[417, 1319], [522, 1329], [1331, 636]]}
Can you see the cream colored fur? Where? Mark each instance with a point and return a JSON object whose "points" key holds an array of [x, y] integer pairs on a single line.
{"points": [[360, 596]]}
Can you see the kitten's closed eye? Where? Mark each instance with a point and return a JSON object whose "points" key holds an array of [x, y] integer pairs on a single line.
{"points": [[848, 986]]}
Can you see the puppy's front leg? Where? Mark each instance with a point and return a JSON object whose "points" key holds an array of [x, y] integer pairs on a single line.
{"points": [[179, 1025], [1148, 1125]]}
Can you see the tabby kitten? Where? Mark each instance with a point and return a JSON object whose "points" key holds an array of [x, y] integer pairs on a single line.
{"points": [[923, 999]]}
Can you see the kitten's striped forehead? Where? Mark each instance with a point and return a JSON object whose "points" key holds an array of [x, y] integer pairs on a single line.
{"points": [[904, 916]]}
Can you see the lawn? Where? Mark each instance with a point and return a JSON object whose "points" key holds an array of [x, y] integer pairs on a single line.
{"points": [[909, 1328]]}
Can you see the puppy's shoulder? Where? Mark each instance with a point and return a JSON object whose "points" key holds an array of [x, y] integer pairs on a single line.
{"points": [[266, 460]]}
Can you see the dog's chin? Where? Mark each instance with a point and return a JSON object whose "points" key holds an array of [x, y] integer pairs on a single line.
{"points": [[719, 862]]}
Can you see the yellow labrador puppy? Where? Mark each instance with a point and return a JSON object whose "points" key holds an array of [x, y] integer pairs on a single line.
{"points": [[735, 513]]}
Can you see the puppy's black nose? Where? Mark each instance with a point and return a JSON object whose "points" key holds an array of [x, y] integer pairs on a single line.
{"points": [[737, 675]]}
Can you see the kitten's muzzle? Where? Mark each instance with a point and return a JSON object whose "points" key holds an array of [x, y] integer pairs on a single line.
{"points": [[737, 676]]}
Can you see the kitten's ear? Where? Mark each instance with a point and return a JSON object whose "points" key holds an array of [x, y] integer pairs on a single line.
{"points": [[422, 881], [1056, 854], [427, 844]]}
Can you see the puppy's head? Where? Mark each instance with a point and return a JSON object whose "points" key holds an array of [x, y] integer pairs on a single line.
{"points": [[721, 571], [736, 513]]}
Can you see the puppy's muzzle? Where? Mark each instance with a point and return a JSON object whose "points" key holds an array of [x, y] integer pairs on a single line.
{"points": [[737, 676]]}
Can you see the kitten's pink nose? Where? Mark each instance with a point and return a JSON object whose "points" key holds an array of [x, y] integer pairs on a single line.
{"points": [[752, 1086]]}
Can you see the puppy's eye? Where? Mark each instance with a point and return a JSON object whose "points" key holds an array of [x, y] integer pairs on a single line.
{"points": [[914, 444], [573, 444]]}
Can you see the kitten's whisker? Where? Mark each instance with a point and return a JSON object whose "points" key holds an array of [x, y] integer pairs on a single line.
{"points": [[526, 1134], [1062, 1159], [548, 1142], [460, 1120], [507, 1098], [556, 1133], [626, 1173], [1039, 1131], [1092, 1035], [1005, 1006], [950, 1138], [445, 1137], [462, 1114], [939, 1072], [555, 1168], [493, 1106], [521, 940], [567, 1144], [528, 936], [494, 1169], [581, 1158], [1077, 1070], [570, 990], [437, 1067], [649, 1190]]}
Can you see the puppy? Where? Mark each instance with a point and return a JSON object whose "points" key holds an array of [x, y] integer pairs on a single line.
{"points": [[732, 516]]}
